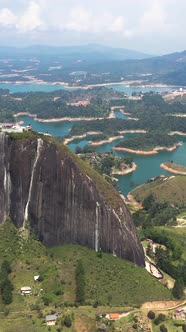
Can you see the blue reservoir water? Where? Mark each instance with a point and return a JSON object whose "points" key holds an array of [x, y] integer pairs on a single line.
{"points": [[33, 87], [56, 129], [129, 90], [52, 87], [147, 166]]}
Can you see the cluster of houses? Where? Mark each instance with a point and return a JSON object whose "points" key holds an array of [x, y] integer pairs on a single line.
{"points": [[27, 290], [83, 103], [10, 127]]}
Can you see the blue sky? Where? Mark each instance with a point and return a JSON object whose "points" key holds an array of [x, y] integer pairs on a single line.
{"points": [[152, 26]]}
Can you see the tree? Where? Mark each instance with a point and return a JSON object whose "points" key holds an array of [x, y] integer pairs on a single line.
{"points": [[151, 314], [6, 266], [162, 256], [6, 286], [7, 293], [148, 202], [178, 288], [80, 283]]}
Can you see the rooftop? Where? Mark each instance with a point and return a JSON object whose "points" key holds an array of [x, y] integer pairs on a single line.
{"points": [[51, 317], [114, 316]]}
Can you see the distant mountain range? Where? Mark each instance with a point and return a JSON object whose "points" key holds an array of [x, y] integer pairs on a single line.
{"points": [[168, 69], [101, 64], [87, 53]]}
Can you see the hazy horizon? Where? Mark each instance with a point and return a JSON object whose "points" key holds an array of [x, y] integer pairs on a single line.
{"points": [[155, 27]]}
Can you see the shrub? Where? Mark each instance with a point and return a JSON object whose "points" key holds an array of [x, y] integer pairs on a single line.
{"points": [[178, 289], [159, 319], [135, 319], [6, 312], [163, 328], [46, 300], [59, 292], [99, 254], [135, 326], [95, 304], [68, 321]]}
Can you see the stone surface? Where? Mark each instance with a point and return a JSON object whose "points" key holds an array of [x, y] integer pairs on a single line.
{"points": [[46, 185]]}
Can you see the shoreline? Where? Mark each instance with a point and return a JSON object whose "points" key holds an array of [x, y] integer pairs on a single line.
{"points": [[131, 131], [109, 140], [178, 115], [171, 170], [24, 113], [61, 119], [150, 152], [126, 171], [65, 84], [180, 133], [88, 133]]}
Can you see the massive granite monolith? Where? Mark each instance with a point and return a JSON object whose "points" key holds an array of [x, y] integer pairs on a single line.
{"points": [[63, 199]]}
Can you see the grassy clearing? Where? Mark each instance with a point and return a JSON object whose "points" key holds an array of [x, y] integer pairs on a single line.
{"points": [[171, 190]]}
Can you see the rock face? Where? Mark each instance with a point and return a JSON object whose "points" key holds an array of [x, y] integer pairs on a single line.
{"points": [[45, 185]]}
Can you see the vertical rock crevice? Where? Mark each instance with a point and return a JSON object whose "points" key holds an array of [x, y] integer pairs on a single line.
{"points": [[38, 151]]}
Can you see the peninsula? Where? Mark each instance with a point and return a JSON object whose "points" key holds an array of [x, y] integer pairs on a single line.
{"points": [[173, 168], [147, 144], [150, 152]]}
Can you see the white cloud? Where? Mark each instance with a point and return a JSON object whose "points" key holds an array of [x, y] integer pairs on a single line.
{"points": [[79, 20], [153, 19], [7, 18], [127, 23], [30, 19], [118, 24]]}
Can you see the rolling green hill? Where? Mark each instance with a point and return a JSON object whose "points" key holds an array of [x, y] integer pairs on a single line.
{"points": [[109, 281], [166, 189]]}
